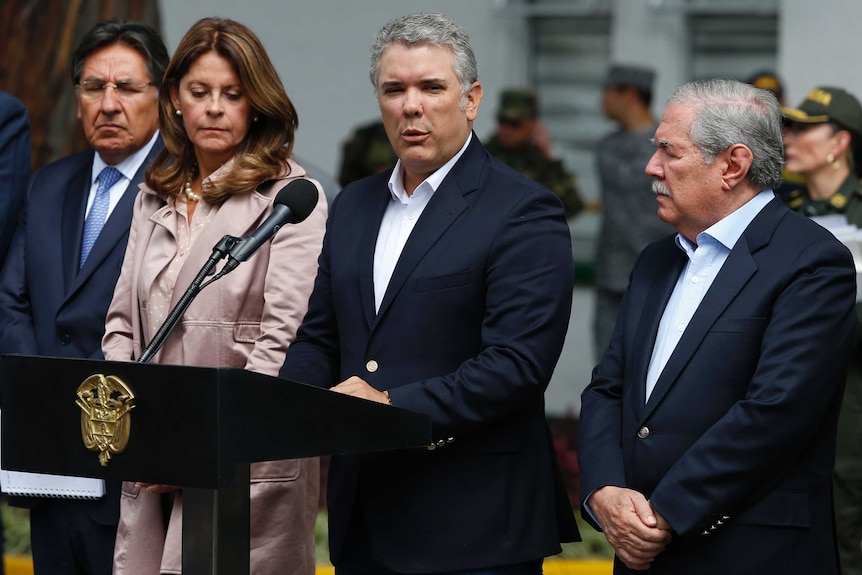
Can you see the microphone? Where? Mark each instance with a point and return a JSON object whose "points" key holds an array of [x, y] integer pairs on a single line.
{"points": [[292, 205]]}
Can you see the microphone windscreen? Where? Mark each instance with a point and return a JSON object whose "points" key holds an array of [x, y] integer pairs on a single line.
{"points": [[300, 196]]}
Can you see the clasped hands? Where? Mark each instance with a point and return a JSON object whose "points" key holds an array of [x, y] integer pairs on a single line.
{"points": [[636, 531]]}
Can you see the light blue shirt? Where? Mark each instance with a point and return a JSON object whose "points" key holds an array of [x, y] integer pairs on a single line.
{"points": [[128, 167], [705, 260]]}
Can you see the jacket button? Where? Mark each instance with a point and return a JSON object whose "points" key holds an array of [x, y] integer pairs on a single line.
{"points": [[371, 366], [431, 447], [643, 432], [65, 339]]}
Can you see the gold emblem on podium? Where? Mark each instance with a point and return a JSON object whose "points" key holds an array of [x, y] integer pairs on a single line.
{"points": [[105, 402]]}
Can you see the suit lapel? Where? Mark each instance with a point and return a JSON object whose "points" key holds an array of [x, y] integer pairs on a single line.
{"points": [[238, 216], [735, 273], [117, 225], [444, 208], [367, 245], [656, 300], [72, 223], [737, 270]]}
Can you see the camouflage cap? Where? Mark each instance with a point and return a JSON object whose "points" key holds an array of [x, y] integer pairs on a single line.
{"points": [[828, 104], [518, 105]]}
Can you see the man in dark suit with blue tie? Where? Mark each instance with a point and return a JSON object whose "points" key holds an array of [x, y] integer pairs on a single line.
{"points": [[707, 434], [444, 288], [67, 251]]}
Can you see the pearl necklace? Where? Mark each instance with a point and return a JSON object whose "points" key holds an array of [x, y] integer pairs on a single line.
{"points": [[187, 191]]}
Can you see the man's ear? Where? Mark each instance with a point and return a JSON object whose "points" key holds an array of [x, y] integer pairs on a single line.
{"points": [[738, 162], [474, 96]]}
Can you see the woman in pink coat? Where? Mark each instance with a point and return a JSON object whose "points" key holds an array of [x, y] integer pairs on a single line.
{"points": [[228, 129]]}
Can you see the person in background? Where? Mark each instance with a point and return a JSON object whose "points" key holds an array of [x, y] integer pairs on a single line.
{"points": [[14, 169], [769, 81], [707, 434], [523, 143], [445, 288], [822, 138], [14, 173], [315, 172], [66, 255], [367, 151], [628, 219], [228, 127], [792, 183]]}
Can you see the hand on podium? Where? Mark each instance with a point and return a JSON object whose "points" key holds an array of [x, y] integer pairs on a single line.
{"points": [[358, 387]]}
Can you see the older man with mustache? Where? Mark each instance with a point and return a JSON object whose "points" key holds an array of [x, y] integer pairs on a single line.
{"points": [[707, 434]]}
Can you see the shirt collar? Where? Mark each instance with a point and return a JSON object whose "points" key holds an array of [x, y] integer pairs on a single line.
{"points": [[431, 183], [213, 179], [128, 167], [729, 229]]}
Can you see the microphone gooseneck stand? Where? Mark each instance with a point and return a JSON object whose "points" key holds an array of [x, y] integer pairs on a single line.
{"points": [[221, 516], [220, 251]]}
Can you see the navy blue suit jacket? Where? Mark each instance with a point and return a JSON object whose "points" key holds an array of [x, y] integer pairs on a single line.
{"points": [[47, 306], [736, 444], [14, 166], [469, 332]]}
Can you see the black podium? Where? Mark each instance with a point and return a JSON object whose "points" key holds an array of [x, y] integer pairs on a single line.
{"points": [[194, 427]]}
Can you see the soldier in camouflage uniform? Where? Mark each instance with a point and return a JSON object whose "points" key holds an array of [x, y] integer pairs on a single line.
{"points": [[629, 212], [521, 144], [366, 152], [821, 141]]}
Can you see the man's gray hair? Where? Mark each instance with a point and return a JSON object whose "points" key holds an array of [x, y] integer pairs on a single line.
{"points": [[729, 112], [434, 29]]}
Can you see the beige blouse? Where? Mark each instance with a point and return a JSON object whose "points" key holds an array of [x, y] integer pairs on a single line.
{"points": [[162, 290]]}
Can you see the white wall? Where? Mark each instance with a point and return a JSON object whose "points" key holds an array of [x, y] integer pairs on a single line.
{"points": [[819, 45], [641, 35], [321, 51]]}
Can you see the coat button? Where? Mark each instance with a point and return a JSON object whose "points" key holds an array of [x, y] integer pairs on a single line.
{"points": [[643, 432], [66, 339], [371, 366]]}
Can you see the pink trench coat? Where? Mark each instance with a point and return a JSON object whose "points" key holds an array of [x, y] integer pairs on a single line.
{"points": [[246, 319]]}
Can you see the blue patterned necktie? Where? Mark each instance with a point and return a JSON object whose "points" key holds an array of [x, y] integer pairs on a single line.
{"points": [[99, 210]]}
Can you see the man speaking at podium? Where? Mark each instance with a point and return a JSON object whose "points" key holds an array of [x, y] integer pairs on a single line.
{"points": [[444, 288], [66, 254]]}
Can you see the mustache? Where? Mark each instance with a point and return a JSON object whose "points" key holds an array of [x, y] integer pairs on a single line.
{"points": [[660, 189]]}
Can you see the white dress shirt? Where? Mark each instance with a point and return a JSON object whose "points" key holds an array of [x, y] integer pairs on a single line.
{"points": [[400, 217]]}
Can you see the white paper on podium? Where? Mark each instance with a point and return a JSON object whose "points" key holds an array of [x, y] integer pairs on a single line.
{"points": [[850, 236], [46, 485]]}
